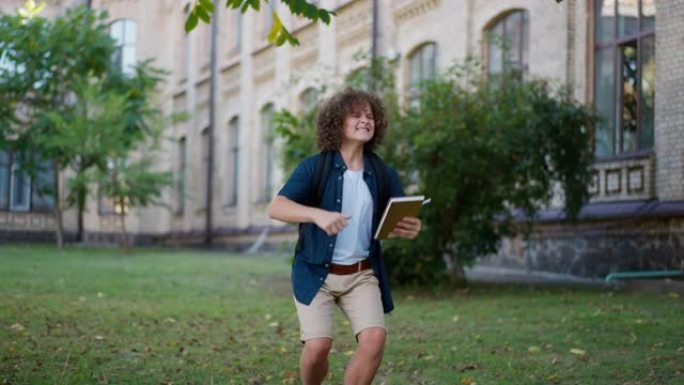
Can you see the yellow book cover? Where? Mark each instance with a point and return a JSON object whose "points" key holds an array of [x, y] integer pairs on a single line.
{"points": [[396, 209]]}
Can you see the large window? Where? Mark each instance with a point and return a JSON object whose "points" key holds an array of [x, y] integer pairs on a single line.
{"points": [[181, 177], [269, 156], [206, 143], [422, 67], [236, 31], [123, 31], [20, 192], [624, 75], [234, 154], [508, 44]]}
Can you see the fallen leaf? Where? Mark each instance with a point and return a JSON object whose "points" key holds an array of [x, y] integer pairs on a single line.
{"points": [[533, 349], [578, 352], [455, 319], [17, 327], [274, 324], [348, 353], [468, 381], [673, 295], [267, 317], [553, 377]]}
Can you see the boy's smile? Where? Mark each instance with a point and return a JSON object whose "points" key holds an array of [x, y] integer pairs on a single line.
{"points": [[359, 125]]}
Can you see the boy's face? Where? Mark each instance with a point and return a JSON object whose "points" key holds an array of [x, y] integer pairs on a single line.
{"points": [[359, 125]]}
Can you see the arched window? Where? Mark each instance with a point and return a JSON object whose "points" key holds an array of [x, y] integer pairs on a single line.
{"points": [[422, 67], [124, 32], [234, 161], [308, 100], [624, 75], [508, 44], [269, 155], [359, 78]]}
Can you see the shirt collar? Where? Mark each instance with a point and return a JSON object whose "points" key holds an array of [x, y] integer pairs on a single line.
{"points": [[339, 164]]}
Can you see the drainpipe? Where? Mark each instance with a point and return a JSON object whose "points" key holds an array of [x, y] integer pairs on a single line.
{"points": [[374, 45], [213, 78]]}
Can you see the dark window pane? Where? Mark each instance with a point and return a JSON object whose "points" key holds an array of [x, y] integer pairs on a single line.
{"points": [[43, 198], [495, 49], [628, 13], [648, 11], [628, 117], [181, 176], [513, 39], [235, 158], [4, 179], [20, 189], [605, 17], [647, 102], [604, 100]]}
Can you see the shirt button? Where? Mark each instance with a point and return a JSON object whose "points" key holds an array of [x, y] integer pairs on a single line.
{"points": [[339, 178], [330, 245], [320, 279], [327, 265], [338, 200]]}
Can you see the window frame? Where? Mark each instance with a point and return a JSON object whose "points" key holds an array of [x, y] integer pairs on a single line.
{"points": [[12, 166], [120, 46], [615, 45], [523, 48]]}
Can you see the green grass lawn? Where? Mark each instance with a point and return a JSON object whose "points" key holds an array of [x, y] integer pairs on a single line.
{"points": [[93, 316]]}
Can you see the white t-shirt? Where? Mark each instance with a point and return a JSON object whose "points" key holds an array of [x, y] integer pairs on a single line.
{"points": [[353, 242]]}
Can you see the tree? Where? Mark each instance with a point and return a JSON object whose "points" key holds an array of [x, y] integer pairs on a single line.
{"points": [[49, 108], [42, 61], [491, 154], [278, 34]]}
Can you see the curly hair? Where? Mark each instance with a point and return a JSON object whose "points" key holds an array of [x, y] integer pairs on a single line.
{"points": [[330, 122]]}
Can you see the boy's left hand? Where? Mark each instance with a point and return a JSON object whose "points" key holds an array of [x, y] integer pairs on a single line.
{"points": [[407, 228]]}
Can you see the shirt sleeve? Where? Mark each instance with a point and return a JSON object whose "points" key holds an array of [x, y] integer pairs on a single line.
{"points": [[298, 187]]}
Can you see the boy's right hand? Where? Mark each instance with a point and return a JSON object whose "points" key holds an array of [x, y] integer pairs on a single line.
{"points": [[330, 221]]}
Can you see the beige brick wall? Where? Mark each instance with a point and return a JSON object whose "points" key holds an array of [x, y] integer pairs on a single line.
{"points": [[669, 110]]}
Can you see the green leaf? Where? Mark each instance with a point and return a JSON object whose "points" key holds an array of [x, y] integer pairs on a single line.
{"points": [[208, 5], [324, 16], [191, 22], [275, 28], [202, 13]]}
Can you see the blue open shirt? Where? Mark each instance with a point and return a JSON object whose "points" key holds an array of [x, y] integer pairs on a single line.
{"points": [[312, 264]]}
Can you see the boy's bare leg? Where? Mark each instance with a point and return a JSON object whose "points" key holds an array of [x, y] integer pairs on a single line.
{"points": [[313, 363], [367, 358]]}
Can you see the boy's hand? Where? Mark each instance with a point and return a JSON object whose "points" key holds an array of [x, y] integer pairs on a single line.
{"points": [[331, 222], [407, 228]]}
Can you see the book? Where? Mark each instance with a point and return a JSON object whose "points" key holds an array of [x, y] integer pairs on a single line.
{"points": [[396, 209]]}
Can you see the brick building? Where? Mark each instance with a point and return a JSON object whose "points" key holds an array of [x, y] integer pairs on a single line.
{"points": [[615, 54]]}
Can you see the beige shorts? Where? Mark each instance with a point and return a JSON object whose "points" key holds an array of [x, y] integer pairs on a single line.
{"points": [[358, 295]]}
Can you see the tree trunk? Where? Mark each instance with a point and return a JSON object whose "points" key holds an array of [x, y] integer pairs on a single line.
{"points": [[124, 234], [455, 270], [81, 199], [59, 222]]}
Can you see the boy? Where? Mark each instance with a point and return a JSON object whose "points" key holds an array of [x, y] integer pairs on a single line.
{"points": [[337, 261]]}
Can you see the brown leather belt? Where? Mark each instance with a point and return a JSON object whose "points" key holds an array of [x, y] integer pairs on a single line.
{"points": [[349, 269]]}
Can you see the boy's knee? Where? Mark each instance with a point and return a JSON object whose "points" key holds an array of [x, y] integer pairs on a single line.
{"points": [[373, 338], [318, 348]]}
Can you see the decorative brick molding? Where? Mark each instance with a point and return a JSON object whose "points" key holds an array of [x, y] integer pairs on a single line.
{"points": [[264, 64], [353, 23], [623, 179], [409, 9], [305, 55]]}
